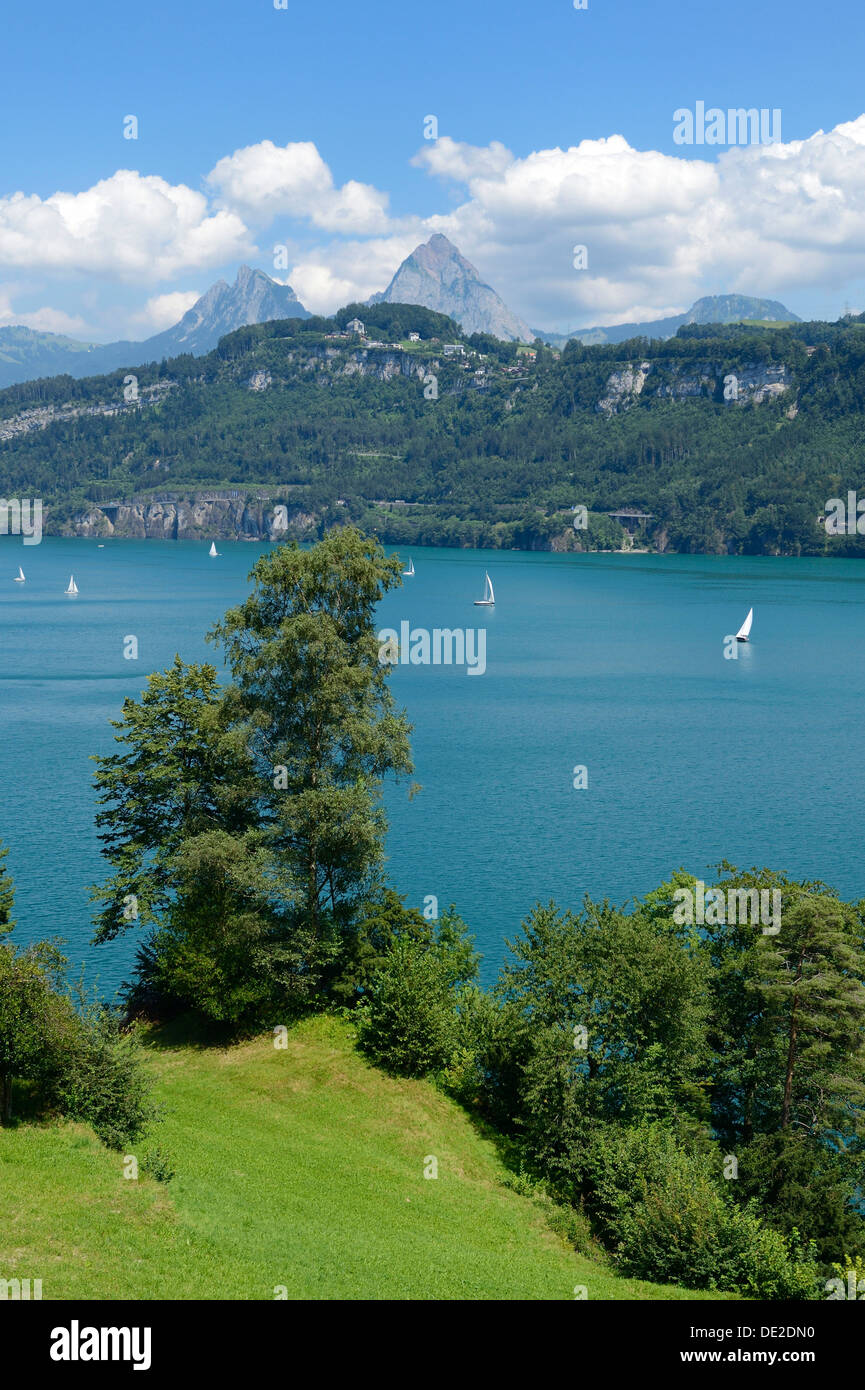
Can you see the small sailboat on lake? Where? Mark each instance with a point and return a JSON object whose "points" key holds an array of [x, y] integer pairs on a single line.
{"points": [[409, 573], [744, 633], [19, 578], [72, 588], [489, 598], [213, 552]]}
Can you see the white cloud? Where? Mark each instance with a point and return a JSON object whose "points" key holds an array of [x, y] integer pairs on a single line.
{"points": [[165, 310], [45, 320], [265, 181], [452, 159], [660, 228], [128, 226], [345, 272]]}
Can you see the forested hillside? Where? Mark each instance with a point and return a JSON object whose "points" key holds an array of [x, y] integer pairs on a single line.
{"points": [[732, 437]]}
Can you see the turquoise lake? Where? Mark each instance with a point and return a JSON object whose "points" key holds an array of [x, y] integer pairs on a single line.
{"points": [[612, 662]]}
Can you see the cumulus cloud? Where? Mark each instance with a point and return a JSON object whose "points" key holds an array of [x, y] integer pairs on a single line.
{"points": [[451, 159], [660, 229], [165, 310], [129, 226], [45, 320], [264, 181], [327, 277]]}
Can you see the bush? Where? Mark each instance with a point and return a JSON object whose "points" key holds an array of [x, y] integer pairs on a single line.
{"points": [[409, 1021], [408, 1024], [157, 1163], [663, 1212], [101, 1081], [75, 1061]]}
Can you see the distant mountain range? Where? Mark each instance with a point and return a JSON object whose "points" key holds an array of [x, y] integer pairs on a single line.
{"points": [[435, 275], [439, 277], [715, 308], [253, 298]]}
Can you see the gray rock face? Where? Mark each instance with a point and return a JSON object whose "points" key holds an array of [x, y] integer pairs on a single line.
{"points": [[753, 383], [437, 276], [200, 517], [253, 298]]}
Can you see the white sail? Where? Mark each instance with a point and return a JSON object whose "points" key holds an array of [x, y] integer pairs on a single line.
{"points": [[489, 597], [19, 578], [73, 587], [745, 630], [410, 571], [213, 549]]}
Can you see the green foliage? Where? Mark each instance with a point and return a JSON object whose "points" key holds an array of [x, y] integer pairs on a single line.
{"points": [[612, 1009], [801, 1184], [320, 722], [409, 1022], [661, 1208], [787, 1014], [393, 322], [379, 921], [101, 1081], [244, 826], [7, 896], [182, 771], [77, 1062], [492, 461], [158, 1164]]}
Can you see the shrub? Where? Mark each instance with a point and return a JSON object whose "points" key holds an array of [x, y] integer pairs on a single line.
{"points": [[410, 1020], [408, 1024], [157, 1163], [75, 1061], [663, 1212], [101, 1081]]}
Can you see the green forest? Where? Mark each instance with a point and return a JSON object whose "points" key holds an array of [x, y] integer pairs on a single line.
{"points": [[487, 445]]}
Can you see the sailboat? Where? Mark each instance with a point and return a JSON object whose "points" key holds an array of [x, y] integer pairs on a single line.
{"points": [[19, 578], [743, 635], [410, 571], [489, 597], [73, 587], [213, 550]]}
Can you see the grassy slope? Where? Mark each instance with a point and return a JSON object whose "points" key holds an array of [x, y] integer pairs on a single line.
{"points": [[301, 1167]]}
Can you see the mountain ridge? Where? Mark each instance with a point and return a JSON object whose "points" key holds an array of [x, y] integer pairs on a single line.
{"points": [[711, 308], [253, 298]]}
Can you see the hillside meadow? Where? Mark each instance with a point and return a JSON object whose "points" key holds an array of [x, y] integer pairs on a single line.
{"points": [[298, 1172]]}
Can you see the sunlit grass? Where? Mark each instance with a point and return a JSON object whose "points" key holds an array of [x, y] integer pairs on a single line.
{"points": [[299, 1169]]}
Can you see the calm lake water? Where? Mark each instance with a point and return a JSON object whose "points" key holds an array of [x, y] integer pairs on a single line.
{"points": [[611, 662]]}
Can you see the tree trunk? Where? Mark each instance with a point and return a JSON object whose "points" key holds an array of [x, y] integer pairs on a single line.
{"points": [[748, 1126], [791, 1050], [5, 1098], [788, 1079]]}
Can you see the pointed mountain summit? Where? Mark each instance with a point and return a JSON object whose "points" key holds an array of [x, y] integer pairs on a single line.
{"points": [[253, 298], [439, 277]]}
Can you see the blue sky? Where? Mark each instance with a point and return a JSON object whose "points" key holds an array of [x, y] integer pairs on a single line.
{"points": [[208, 79]]}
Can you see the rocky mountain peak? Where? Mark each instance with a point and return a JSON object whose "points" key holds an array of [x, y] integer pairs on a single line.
{"points": [[438, 276]]}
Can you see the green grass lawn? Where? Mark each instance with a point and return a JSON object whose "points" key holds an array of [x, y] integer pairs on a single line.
{"points": [[301, 1168]]}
